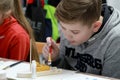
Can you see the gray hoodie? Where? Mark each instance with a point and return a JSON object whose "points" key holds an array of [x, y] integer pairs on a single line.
{"points": [[99, 55]]}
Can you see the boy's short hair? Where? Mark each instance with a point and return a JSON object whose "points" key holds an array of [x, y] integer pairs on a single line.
{"points": [[84, 11]]}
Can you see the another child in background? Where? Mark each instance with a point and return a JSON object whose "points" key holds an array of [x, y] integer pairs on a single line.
{"points": [[90, 38], [15, 32]]}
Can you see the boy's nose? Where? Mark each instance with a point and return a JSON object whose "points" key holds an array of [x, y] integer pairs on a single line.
{"points": [[69, 37]]}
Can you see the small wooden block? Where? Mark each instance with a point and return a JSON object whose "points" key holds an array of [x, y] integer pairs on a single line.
{"points": [[24, 74], [52, 71]]}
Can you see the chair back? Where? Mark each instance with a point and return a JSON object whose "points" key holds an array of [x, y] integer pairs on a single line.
{"points": [[39, 46]]}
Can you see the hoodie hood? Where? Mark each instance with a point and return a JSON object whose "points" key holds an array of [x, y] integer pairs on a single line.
{"points": [[111, 18]]}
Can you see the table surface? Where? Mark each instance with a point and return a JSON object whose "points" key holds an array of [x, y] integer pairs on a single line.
{"points": [[65, 75]]}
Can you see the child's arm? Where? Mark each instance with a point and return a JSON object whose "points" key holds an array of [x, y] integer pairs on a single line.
{"points": [[111, 66], [19, 47]]}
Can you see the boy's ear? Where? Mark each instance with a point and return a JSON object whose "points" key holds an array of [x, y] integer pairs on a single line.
{"points": [[96, 26]]}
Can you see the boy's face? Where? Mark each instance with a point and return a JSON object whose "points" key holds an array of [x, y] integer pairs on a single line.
{"points": [[76, 33]]}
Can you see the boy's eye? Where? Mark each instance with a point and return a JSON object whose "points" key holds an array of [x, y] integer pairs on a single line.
{"points": [[75, 32]]}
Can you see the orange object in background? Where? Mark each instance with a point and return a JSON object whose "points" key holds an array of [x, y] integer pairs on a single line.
{"points": [[39, 46]]}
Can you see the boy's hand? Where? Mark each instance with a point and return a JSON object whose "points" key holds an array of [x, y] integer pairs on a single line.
{"points": [[55, 49]]}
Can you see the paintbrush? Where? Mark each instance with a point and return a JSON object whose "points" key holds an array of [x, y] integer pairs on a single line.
{"points": [[12, 65], [50, 54]]}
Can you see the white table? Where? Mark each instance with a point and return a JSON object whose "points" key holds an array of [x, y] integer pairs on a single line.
{"points": [[65, 75]]}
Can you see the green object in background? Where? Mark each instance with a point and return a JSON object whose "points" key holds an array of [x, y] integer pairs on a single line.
{"points": [[50, 15]]}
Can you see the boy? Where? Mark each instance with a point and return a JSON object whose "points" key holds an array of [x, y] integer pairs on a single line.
{"points": [[90, 38]]}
